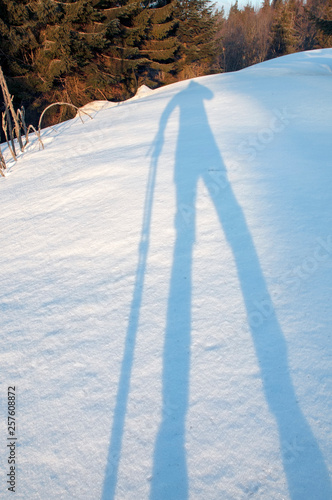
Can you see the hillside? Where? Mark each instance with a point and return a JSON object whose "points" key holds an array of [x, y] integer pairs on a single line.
{"points": [[166, 303]]}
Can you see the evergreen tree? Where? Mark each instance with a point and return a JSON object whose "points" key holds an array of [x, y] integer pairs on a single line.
{"points": [[320, 12], [305, 31], [18, 45], [17, 38], [142, 43], [325, 26], [196, 33], [282, 38], [161, 47]]}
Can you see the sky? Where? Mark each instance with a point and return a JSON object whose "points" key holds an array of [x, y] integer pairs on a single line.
{"points": [[227, 3]]}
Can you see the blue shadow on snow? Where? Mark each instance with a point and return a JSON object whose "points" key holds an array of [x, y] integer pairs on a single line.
{"points": [[304, 466]]}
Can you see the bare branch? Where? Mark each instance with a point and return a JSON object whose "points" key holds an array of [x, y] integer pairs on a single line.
{"points": [[2, 164], [37, 134], [4, 127], [9, 106], [61, 104]]}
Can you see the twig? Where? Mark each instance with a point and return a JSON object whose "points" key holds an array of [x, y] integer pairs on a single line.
{"points": [[2, 164], [21, 117], [37, 134], [9, 106], [4, 127], [61, 104]]}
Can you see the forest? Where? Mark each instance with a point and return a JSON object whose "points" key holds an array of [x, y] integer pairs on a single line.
{"points": [[78, 51]]}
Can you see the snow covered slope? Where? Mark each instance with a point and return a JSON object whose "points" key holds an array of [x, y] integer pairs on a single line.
{"points": [[166, 294]]}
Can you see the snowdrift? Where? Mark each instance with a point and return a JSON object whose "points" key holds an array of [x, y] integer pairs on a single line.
{"points": [[166, 294]]}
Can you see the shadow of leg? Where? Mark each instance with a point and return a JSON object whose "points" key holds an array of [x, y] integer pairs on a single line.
{"points": [[304, 465], [170, 479]]}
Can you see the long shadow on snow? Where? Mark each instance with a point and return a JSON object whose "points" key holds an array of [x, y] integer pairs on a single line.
{"points": [[120, 410], [306, 471]]}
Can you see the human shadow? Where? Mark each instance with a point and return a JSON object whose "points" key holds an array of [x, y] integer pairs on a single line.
{"points": [[197, 156]]}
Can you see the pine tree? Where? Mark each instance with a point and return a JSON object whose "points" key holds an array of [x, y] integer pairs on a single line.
{"points": [[17, 39], [142, 43], [161, 47], [282, 38], [325, 26], [18, 44], [305, 31], [319, 13], [81, 50], [197, 28]]}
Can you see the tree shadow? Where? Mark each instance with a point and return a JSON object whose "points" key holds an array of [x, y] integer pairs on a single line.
{"points": [[304, 466]]}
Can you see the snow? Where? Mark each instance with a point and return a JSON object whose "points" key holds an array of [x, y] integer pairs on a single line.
{"points": [[92, 108], [166, 293]]}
